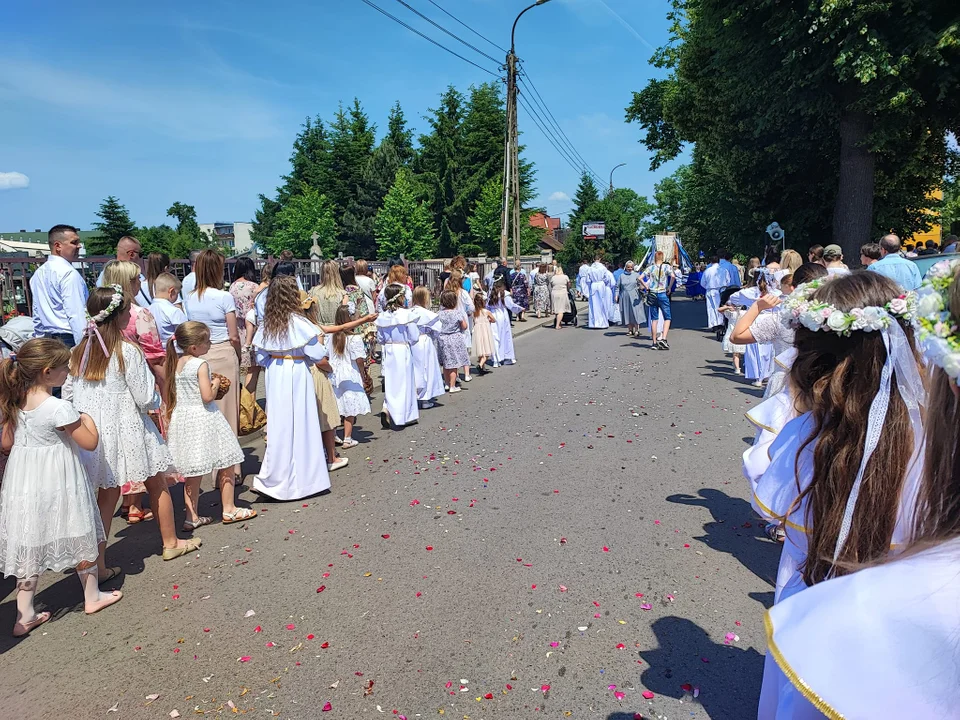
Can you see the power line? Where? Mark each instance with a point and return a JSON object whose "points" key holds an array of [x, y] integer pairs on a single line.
{"points": [[429, 39], [550, 136], [467, 26], [547, 133], [443, 29], [527, 80]]}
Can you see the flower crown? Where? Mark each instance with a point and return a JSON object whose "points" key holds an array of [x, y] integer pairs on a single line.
{"points": [[115, 302], [936, 327], [799, 310]]}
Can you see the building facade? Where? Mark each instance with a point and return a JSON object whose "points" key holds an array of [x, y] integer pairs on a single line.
{"points": [[234, 236]]}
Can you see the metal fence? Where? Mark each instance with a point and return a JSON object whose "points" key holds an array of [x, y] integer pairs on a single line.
{"points": [[15, 273]]}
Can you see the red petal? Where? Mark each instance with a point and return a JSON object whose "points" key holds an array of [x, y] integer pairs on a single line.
{"points": [[327, 707], [258, 629], [291, 626], [429, 547], [647, 695], [324, 645], [488, 696], [310, 636], [385, 537], [321, 588]]}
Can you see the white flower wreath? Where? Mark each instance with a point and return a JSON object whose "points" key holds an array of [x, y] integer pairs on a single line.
{"points": [[115, 302], [936, 327], [798, 310]]}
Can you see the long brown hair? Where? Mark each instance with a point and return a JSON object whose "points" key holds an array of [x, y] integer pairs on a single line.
{"points": [[283, 301], [209, 271], [19, 374], [479, 304], [497, 294], [938, 505], [343, 316], [187, 334], [157, 264], [836, 378], [111, 332]]}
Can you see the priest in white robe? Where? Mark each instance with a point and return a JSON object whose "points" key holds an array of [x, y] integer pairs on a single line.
{"points": [[713, 281], [600, 281], [294, 466], [583, 284]]}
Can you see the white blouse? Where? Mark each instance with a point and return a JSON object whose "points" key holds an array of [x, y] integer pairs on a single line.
{"points": [[212, 310]]}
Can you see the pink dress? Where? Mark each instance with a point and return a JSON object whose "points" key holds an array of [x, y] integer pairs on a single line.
{"points": [[142, 330]]}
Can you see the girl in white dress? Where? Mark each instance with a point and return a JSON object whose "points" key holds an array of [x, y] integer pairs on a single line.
{"points": [[198, 435], [844, 474], [429, 376], [500, 304], [882, 642], [733, 313], [758, 356], [397, 334], [48, 510], [111, 382], [286, 344], [345, 350]]}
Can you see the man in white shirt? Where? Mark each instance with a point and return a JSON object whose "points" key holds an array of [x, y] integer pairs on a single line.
{"points": [[128, 249], [166, 314], [59, 292], [713, 281]]}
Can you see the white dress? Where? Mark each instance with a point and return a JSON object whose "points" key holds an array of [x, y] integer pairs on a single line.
{"points": [[880, 643], [48, 509], [131, 448], [397, 333], [759, 355], [729, 347], [503, 350], [346, 379], [768, 328], [294, 465], [199, 436], [429, 376], [713, 280], [600, 282]]}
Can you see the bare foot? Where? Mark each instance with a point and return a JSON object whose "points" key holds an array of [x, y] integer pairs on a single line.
{"points": [[106, 600], [23, 628]]}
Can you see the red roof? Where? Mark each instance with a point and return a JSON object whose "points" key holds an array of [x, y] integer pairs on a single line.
{"points": [[539, 220]]}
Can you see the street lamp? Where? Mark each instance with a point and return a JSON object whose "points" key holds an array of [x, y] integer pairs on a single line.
{"points": [[511, 150], [611, 175]]}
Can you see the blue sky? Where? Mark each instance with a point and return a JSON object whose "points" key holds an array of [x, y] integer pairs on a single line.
{"points": [[200, 101]]}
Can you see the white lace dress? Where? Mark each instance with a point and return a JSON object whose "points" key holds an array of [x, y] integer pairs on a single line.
{"points": [[199, 436], [346, 380], [131, 448], [48, 510]]}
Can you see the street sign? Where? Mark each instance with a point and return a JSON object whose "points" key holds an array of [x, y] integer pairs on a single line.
{"points": [[594, 230]]}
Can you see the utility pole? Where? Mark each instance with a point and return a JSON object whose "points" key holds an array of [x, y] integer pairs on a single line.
{"points": [[511, 152]]}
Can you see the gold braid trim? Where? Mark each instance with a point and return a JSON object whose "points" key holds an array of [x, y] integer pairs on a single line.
{"points": [[818, 702], [760, 425]]}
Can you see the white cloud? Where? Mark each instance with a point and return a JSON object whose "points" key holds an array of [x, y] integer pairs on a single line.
{"points": [[13, 180], [187, 113], [559, 197]]}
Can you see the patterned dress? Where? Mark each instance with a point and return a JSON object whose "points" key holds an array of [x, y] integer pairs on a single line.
{"points": [[520, 289], [450, 345], [541, 293], [244, 293]]}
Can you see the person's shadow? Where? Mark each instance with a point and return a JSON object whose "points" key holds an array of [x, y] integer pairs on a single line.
{"points": [[728, 676], [735, 530]]}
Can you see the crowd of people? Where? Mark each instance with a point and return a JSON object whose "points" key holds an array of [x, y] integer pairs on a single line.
{"points": [[121, 392], [854, 463]]}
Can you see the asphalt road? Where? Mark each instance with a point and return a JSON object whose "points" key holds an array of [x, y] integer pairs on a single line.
{"points": [[560, 538]]}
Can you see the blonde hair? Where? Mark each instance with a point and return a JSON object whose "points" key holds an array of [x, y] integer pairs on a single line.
{"points": [[331, 286], [790, 260], [186, 335], [122, 273], [23, 371], [164, 283], [421, 296]]}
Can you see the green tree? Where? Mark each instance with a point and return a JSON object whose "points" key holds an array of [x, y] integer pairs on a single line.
{"points": [[399, 135], [404, 226], [352, 139], [114, 223], [623, 211], [951, 206], [304, 214], [157, 238], [378, 176], [485, 221], [819, 115], [439, 167], [586, 195], [189, 236]]}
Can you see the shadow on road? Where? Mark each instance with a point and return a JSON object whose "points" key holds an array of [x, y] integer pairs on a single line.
{"points": [[728, 676], [736, 531]]}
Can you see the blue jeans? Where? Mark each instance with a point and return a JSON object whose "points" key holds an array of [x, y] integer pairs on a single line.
{"points": [[66, 339], [663, 305]]}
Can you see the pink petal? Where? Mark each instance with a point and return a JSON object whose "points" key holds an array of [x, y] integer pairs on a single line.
{"points": [[291, 626], [246, 659], [647, 695], [619, 695], [327, 707], [646, 606]]}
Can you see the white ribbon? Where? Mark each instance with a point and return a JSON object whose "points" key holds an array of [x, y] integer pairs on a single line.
{"points": [[900, 358]]}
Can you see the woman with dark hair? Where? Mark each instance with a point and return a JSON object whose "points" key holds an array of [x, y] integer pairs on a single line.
{"points": [[244, 291], [157, 264], [216, 308], [520, 289], [815, 255]]}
